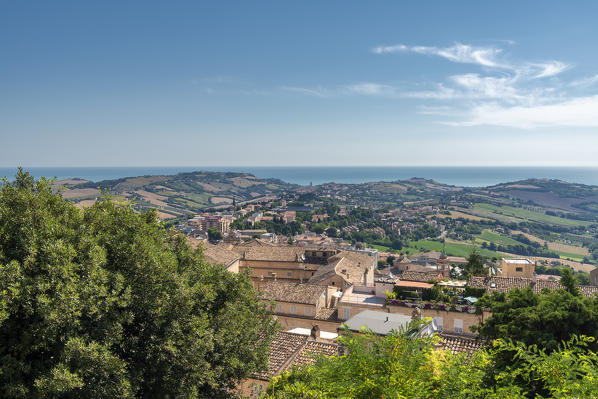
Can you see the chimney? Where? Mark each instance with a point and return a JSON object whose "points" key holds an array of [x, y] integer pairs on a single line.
{"points": [[315, 333]]}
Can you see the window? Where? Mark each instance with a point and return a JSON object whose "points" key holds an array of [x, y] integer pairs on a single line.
{"points": [[519, 269], [346, 313], [289, 274], [458, 325], [293, 309], [438, 321], [278, 308], [307, 311]]}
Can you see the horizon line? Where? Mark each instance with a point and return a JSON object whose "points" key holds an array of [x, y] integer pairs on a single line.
{"points": [[302, 166]]}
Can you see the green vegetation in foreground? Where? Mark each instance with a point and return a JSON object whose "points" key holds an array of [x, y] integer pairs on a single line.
{"points": [[104, 303], [526, 214], [400, 366]]}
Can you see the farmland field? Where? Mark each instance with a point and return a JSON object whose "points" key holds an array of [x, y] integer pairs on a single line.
{"points": [[498, 239], [526, 214], [451, 249]]}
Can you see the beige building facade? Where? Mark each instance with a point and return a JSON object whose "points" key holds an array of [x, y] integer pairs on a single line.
{"points": [[517, 268]]}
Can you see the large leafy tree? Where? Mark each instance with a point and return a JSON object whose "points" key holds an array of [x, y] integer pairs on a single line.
{"points": [[104, 303], [543, 321], [546, 319]]}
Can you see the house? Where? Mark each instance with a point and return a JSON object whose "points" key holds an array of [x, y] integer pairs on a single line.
{"points": [[347, 268], [289, 216], [221, 254], [297, 305], [294, 299], [517, 268], [286, 351], [255, 218], [267, 262], [323, 266]]}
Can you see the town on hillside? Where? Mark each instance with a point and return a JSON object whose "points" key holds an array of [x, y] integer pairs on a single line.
{"points": [[317, 267]]}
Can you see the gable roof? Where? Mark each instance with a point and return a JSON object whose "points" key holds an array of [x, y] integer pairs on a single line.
{"points": [[282, 350], [280, 291], [270, 253], [288, 350], [422, 277], [219, 254], [460, 343], [312, 350], [504, 284], [349, 265], [255, 243]]}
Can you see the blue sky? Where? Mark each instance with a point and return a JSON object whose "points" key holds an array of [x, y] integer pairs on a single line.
{"points": [[298, 83]]}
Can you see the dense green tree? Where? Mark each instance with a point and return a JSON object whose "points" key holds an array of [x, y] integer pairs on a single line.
{"points": [[475, 264], [214, 235], [331, 232], [318, 228], [544, 320], [104, 303], [569, 282]]}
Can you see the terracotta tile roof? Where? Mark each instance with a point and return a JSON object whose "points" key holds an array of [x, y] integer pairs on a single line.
{"points": [[288, 350], [460, 343], [325, 272], [541, 284], [284, 347], [588, 290], [255, 243], [219, 254], [292, 292], [504, 284], [500, 284], [330, 314], [351, 266], [414, 284], [423, 277], [269, 253], [312, 350]]}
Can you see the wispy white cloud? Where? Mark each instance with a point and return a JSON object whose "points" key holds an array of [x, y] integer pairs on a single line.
{"points": [[358, 89], [505, 93], [548, 69], [461, 53], [576, 112], [371, 89], [585, 82], [315, 92]]}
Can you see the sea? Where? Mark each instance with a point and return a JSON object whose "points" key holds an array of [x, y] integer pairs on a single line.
{"points": [[465, 176]]}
